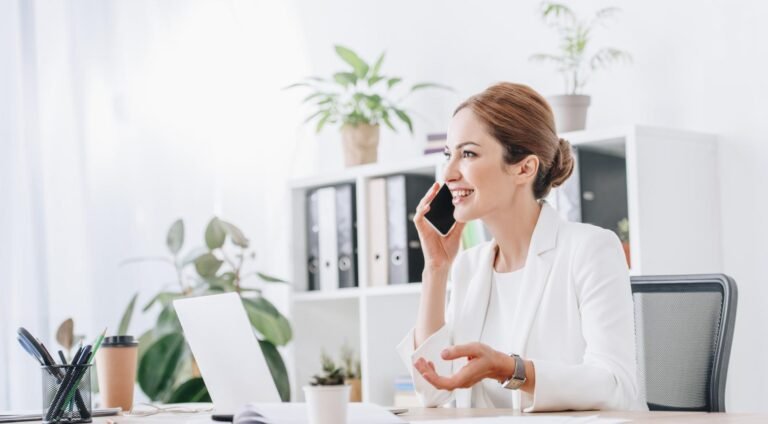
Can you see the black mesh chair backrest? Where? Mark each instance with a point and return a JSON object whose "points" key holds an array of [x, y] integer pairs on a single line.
{"points": [[683, 330]]}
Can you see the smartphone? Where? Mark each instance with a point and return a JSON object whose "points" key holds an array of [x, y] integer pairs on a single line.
{"points": [[440, 213]]}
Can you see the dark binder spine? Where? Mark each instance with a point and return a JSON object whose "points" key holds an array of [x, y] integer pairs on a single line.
{"points": [[415, 189], [313, 242], [346, 221]]}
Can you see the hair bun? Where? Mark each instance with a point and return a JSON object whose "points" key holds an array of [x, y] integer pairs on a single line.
{"points": [[562, 164]]}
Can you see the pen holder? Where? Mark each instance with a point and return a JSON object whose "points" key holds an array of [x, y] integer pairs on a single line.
{"points": [[67, 394]]}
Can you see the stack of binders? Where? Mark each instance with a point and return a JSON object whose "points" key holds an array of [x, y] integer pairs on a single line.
{"points": [[394, 249], [331, 238]]}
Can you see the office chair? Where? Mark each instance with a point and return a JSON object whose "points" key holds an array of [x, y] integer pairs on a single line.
{"points": [[683, 331]]}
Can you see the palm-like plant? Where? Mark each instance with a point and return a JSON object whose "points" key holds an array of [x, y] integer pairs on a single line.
{"points": [[358, 95], [572, 60]]}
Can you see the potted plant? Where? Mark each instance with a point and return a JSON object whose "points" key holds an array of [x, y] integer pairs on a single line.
{"points": [[327, 395], [167, 371], [352, 373], [358, 99], [572, 61], [623, 232]]}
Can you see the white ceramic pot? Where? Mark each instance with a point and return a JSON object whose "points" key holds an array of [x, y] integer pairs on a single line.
{"points": [[570, 111], [327, 404]]}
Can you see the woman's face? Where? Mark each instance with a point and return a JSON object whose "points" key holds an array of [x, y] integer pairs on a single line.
{"points": [[475, 171]]}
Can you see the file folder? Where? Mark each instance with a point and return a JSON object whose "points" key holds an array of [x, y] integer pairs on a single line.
{"points": [[378, 255], [346, 229], [327, 240], [313, 239], [406, 261]]}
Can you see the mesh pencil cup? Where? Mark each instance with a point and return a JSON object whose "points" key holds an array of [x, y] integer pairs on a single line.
{"points": [[67, 394]]}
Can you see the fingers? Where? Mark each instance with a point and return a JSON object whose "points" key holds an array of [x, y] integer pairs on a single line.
{"points": [[469, 350], [423, 206], [466, 377]]}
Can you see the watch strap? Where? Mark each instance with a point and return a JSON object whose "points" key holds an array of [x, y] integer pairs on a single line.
{"points": [[518, 377]]}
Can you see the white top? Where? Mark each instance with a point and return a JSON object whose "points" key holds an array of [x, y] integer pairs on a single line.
{"points": [[505, 287]]}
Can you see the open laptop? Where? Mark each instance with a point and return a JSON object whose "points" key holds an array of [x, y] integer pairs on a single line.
{"points": [[226, 350]]}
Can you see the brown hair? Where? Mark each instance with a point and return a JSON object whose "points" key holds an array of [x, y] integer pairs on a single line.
{"points": [[522, 121]]}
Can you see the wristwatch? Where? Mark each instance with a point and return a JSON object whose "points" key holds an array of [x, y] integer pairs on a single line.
{"points": [[518, 378]]}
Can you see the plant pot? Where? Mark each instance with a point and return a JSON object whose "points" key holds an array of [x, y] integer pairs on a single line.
{"points": [[355, 389], [625, 246], [570, 111], [327, 404], [361, 143]]}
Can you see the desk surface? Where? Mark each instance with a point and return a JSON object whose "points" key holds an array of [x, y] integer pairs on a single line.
{"points": [[654, 417], [448, 414]]}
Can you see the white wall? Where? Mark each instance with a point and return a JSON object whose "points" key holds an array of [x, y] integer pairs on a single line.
{"points": [[698, 65]]}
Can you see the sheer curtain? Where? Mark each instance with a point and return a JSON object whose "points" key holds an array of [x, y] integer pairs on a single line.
{"points": [[118, 117]]}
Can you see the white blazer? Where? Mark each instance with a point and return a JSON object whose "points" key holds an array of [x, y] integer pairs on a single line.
{"points": [[574, 319]]}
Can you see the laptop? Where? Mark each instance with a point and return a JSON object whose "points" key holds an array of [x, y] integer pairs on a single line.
{"points": [[226, 350]]}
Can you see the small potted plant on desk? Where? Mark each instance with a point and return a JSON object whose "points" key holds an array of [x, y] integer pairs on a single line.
{"points": [[327, 395]]}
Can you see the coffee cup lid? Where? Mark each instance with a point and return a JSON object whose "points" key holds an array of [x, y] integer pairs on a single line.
{"points": [[119, 341]]}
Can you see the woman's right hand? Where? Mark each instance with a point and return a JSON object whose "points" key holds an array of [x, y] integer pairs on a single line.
{"points": [[439, 251]]}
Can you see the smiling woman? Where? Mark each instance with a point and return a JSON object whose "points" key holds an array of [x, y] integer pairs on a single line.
{"points": [[545, 307]]}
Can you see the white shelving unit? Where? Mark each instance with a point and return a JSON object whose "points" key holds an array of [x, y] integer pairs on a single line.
{"points": [[673, 208]]}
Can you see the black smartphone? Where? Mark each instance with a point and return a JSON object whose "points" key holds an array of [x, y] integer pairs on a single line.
{"points": [[440, 213]]}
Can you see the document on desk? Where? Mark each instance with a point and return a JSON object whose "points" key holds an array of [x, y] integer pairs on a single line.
{"points": [[551, 419], [296, 413]]}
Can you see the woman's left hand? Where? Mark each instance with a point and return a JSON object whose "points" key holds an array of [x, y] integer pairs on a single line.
{"points": [[484, 362]]}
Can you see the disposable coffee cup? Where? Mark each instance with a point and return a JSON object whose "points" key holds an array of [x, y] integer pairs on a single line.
{"points": [[116, 363]]}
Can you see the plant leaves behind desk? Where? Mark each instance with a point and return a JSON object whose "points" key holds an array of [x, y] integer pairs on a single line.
{"points": [[268, 321], [192, 390], [277, 368], [167, 371], [159, 363]]}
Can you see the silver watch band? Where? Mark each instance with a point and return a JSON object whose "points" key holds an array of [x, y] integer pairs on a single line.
{"points": [[518, 378]]}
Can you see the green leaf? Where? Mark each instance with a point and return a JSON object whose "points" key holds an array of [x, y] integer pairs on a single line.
{"points": [[191, 256], [360, 67], [167, 322], [393, 82], [345, 78], [277, 369], [192, 390], [235, 234], [159, 363], [405, 118], [125, 321], [321, 123], [424, 85], [225, 282], [269, 278], [373, 80], [376, 68], [214, 234], [145, 341], [387, 122], [207, 265], [165, 298], [268, 321], [175, 237]]}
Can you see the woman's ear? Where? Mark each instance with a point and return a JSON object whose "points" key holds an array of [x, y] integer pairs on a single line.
{"points": [[528, 167]]}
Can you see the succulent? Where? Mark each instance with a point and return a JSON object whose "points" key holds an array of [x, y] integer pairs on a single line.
{"points": [[331, 375]]}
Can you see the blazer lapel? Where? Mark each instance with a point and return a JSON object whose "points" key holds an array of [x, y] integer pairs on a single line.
{"points": [[538, 264]]}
